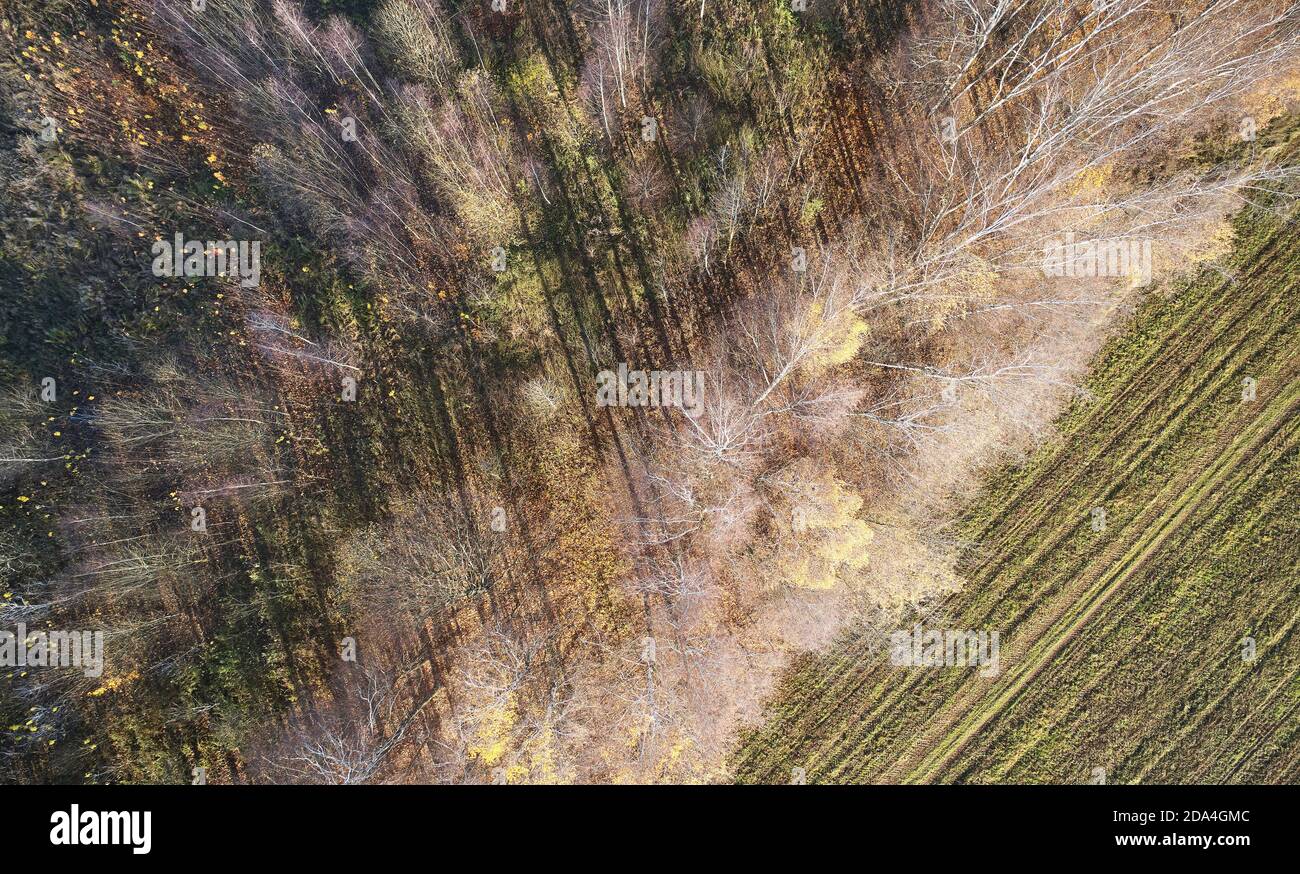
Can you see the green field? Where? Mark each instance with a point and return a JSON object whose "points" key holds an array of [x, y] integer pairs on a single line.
{"points": [[1123, 649]]}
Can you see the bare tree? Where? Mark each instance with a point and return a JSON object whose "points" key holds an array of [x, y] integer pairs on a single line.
{"points": [[415, 36], [626, 34], [22, 445], [466, 152], [204, 432], [1044, 101], [428, 558], [340, 747]]}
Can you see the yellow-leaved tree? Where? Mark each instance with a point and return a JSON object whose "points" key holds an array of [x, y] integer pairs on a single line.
{"points": [[822, 541]]}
